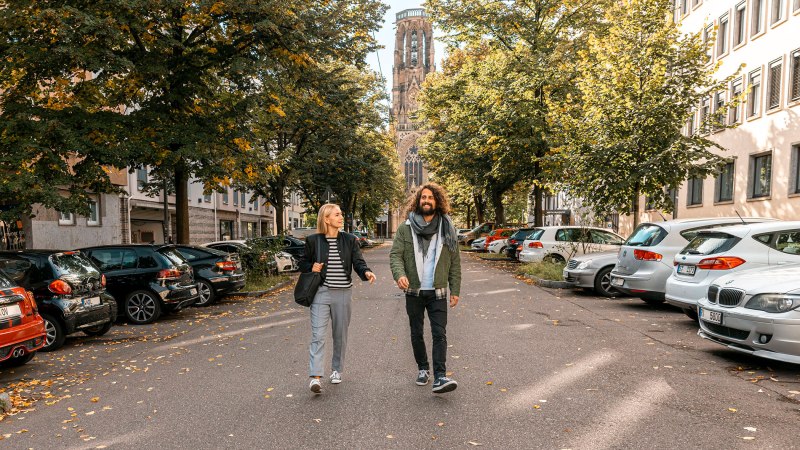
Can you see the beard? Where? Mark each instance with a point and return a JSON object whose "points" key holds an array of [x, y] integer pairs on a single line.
{"points": [[425, 209]]}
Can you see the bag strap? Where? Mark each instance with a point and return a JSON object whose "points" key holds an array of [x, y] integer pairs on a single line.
{"points": [[319, 248]]}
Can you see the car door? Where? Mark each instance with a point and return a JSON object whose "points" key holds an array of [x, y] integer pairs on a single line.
{"points": [[785, 247], [604, 241], [119, 265]]}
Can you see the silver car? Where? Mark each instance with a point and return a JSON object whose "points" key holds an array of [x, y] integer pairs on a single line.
{"points": [[646, 258], [593, 271], [755, 311]]}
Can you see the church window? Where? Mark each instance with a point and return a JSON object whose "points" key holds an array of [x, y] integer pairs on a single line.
{"points": [[414, 47]]}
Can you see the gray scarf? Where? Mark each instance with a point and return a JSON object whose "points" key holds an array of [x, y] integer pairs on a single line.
{"points": [[425, 231]]}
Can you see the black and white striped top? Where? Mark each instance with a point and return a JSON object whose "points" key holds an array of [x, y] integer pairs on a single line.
{"points": [[336, 278]]}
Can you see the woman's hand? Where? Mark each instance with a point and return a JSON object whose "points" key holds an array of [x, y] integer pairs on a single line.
{"points": [[370, 276], [317, 267]]}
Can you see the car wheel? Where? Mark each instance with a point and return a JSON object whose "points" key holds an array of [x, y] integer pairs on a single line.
{"points": [[98, 330], [554, 258], [602, 283], [207, 294], [692, 313], [142, 307], [54, 333], [18, 360]]}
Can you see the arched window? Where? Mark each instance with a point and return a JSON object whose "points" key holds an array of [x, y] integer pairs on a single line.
{"points": [[414, 48], [413, 169], [403, 47], [424, 49]]}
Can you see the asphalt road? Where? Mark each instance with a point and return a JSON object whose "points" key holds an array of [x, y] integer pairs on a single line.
{"points": [[537, 368]]}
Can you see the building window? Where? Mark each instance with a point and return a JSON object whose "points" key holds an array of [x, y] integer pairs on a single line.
{"points": [[207, 198], [795, 169], [774, 99], [141, 178], [225, 197], [794, 82], [414, 48], [66, 218], [756, 17], [235, 198], [735, 113], [93, 219], [690, 125], [242, 199], [695, 191], [705, 108], [796, 6], [739, 23], [719, 111], [696, 2], [776, 15], [724, 183], [254, 201], [722, 35], [754, 96], [760, 175], [706, 38], [225, 230], [684, 7]]}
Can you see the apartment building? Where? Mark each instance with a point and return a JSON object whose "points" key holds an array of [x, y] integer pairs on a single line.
{"points": [[763, 178]]}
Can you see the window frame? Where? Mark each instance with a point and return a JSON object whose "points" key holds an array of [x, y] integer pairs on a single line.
{"points": [[774, 88], [66, 218], [794, 180], [753, 110], [757, 21], [225, 199], [751, 181], [718, 183], [780, 9], [140, 180], [794, 76], [694, 186], [723, 44], [740, 24], [93, 222], [735, 112]]}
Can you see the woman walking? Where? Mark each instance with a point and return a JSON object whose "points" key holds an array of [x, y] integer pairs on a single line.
{"points": [[337, 257]]}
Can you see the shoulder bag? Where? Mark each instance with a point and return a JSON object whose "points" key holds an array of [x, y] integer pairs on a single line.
{"points": [[308, 283]]}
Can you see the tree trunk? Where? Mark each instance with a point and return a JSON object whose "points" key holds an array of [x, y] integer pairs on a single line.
{"points": [[469, 215], [499, 210], [479, 207], [182, 205], [278, 196], [636, 208], [538, 208]]}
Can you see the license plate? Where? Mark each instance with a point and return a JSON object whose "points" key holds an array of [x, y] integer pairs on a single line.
{"points": [[711, 316], [193, 291], [91, 301], [686, 270], [617, 281], [10, 312]]}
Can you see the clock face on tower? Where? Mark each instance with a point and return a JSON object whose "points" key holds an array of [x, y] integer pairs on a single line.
{"points": [[412, 99]]}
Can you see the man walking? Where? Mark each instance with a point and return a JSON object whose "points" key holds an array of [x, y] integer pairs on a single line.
{"points": [[425, 262]]}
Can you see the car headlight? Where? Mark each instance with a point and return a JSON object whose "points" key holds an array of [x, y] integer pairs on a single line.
{"points": [[584, 265], [773, 303]]}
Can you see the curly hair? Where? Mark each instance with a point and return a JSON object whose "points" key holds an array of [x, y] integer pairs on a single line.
{"points": [[439, 194]]}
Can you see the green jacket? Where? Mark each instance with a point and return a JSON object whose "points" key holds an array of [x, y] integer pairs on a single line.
{"points": [[402, 263]]}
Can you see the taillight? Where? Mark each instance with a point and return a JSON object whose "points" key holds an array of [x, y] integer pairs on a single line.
{"points": [[169, 274], [103, 280], [60, 287], [721, 263], [647, 255], [31, 301], [535, 244], [226, 266]]}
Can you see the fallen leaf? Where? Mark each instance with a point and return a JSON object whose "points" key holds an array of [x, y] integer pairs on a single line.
{"points": [[732, 409], [440, 424], [536, 407], [389, 436], [752, 429], [474, 443], [95, 399], [489, 383], [318, 420], [748, 438]]}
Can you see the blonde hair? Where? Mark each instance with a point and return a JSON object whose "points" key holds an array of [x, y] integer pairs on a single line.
{"points": [[324, 212]]}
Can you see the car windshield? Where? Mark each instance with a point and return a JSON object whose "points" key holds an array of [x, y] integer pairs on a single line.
{"points": [[646, 235], [709, 243], [73, 263], [5, 283], [172, 255], [534, 235]]}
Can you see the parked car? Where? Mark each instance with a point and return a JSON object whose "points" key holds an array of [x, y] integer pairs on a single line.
{"points": [[498, 246], [145, 279], [288, 244], [21, 327], [755, 311], [593, 271], [475, 233], [497, 234], [646, 259], [477, 244], [302, 232], [363, 239], [70, 292], [281, 262], [516, 239], [713, 253], [560, 243], [215, 271]]}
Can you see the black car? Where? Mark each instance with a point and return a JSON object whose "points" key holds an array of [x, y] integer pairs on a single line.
{"points": [[69, 291], [288, 244], [516, 240], [216, 272], [146, 279]]}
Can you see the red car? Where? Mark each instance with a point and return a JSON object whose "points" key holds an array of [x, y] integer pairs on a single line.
{"points": [[21, 327], [499, 233]]}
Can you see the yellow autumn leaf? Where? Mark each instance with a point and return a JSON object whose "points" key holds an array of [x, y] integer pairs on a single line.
{"points": [[95, 399]]}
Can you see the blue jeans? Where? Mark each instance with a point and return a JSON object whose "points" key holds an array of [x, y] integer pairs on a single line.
{"points": [[329, 305]]}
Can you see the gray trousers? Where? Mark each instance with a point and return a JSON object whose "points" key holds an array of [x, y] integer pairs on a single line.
{"points": [[329, 305]]}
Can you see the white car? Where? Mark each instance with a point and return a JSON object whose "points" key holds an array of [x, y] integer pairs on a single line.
{"points": [[498, 246], [560, 243], [755, 311], [721, 251], [284, 262], [477, 244]]}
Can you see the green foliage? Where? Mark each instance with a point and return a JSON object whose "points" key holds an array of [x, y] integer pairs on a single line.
{"points": [[620, 133], [553, 271], [259, 257]]}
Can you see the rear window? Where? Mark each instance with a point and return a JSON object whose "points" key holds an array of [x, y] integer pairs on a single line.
{"points": [[73, 264], [5, 283], [172, 255], [710, 243], [534, 235], [646, 235], [520, 234]]}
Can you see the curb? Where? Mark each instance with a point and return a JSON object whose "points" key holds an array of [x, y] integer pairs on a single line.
{"points": [[548, 283], [260, 293]]}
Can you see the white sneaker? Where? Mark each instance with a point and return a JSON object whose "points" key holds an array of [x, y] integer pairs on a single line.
{"points": [[315, 386], [336, 377]]}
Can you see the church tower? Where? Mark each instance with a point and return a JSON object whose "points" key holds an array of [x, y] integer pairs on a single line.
{"points": [[413, 60]]}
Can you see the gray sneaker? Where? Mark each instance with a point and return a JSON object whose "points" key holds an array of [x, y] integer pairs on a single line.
{"points": [[336, 377], [444, 384], [423, 377], [315, 385]]}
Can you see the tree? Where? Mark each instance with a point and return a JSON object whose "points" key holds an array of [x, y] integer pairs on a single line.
{"points": [[639, 85], [163, 83]]}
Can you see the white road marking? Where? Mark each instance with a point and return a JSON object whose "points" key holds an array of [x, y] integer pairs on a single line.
{"points": [[500, 291], [623, 418], [552, 384], [214, 337], [268, 316], [522, 326]]}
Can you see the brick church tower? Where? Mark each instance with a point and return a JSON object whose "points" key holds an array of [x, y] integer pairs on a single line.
{"points": [[413, 60]]}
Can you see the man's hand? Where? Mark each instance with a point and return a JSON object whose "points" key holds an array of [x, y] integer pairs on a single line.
{"points": [[317, 267], [370, 276], [453, 301], [402, 283]]}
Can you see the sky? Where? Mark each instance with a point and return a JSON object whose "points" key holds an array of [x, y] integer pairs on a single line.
{"points": [[385, 37]]}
